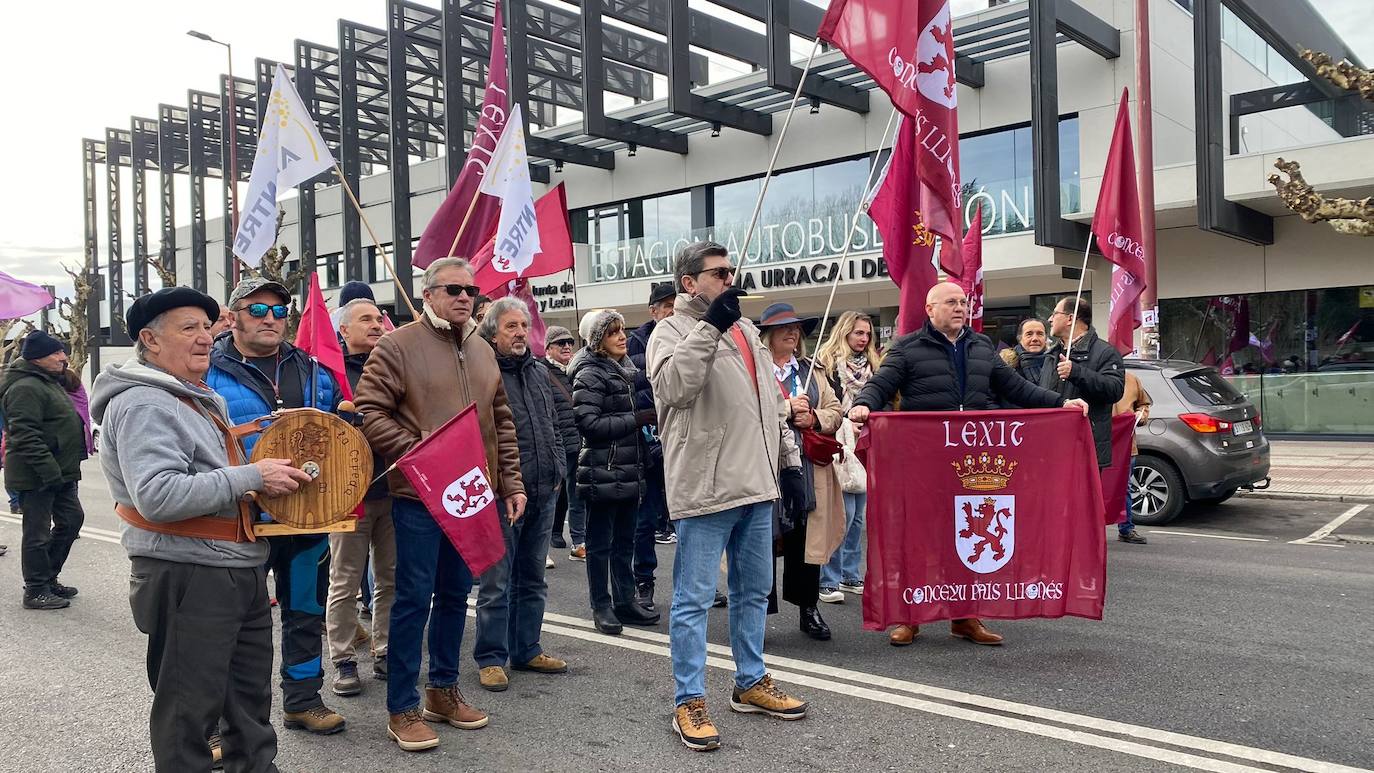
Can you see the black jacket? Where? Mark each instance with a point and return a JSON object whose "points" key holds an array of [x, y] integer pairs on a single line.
{"points": [[353, 368], [45, 439], [610, 466], [635, 346], [561, 386], [922, 367], [543, 463], [1098, 377]]}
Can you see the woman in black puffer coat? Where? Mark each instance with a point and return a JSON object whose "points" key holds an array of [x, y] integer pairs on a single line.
{"points": [[610, 471]]}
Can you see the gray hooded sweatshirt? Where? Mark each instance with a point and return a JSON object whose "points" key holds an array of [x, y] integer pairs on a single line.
{"points": [[167, 460]]}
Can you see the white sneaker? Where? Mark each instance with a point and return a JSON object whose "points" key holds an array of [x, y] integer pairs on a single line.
{"points": [[549, 562], [856, 587], [831, 596]]}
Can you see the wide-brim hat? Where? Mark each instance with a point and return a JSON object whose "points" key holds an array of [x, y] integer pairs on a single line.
{"points": [[779, 314]]}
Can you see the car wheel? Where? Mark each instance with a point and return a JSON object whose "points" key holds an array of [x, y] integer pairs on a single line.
{"points": [[1156, 491], [1216, 500]]}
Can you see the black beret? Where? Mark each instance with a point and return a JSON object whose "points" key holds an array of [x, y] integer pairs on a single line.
{"points": [[661, 291], [146, 308]]}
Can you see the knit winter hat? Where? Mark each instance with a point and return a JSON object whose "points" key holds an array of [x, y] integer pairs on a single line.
{"points": [[38, 345], [584, 327], [603, 322], [353, 290]]}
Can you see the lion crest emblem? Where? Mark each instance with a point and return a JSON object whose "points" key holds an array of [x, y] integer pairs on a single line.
{"points": [[985, 531], [468, 495]]}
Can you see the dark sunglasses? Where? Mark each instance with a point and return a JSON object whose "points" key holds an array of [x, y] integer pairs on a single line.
{"points": [[721, 272], [564, 342], [260, 310], [472, 290]]}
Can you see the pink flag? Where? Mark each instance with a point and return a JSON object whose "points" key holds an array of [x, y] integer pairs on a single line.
{"points": [[316, 337], [907, 244], [438, 237], [1349, 335], [19, 298], [972, 279], [450, 473], [907, 48], [1116, 224]]}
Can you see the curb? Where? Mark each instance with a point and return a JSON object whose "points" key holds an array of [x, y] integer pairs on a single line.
{"points": [[1308, 497]]}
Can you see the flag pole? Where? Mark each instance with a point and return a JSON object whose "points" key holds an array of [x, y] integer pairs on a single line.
{"points": [[768, 175], [463, 225], [1078, 295], [849, 239], [400, 291]]}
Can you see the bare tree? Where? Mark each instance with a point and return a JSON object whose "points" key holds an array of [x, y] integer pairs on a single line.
{"points": [[1353, 217], [73, 311], [8, 346]]}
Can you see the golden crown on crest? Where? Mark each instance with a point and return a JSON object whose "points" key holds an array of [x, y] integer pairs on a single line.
{"points": [[986, 473]]}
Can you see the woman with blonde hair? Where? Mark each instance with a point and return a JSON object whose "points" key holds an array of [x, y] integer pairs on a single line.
{"points": [[847, 359]]}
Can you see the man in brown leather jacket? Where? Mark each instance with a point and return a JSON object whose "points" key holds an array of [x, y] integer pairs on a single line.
{"points": [[420, 376]]}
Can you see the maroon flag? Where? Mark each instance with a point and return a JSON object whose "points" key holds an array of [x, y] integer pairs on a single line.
{"points": [[1117, 476], [907, 244], [907, 48], [449, 472], [972, 279], [1004, 520], [1116, 224], [316, 336], [437, 240], [1240, 326]]}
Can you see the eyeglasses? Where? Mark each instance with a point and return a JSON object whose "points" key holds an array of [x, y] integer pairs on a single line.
{"points": [[259, 310], [720, 272], [454, 289], [568, 342]]}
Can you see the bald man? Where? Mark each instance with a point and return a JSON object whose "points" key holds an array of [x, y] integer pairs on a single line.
{"points": [[918, 367]]}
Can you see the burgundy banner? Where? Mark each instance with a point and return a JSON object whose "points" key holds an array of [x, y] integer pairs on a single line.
{"points": [[1120, 236], [449, 472], [1001, 517], [1116, 477]]}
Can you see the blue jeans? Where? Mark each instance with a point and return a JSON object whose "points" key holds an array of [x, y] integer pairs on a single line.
{"points": [[510, 601], [844, 564], [1128, 525], [745, 534], [577, 509], [652, 508], [427, 567]]}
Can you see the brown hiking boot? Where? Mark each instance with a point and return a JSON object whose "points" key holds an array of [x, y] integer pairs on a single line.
{"points": [[694, 727], [216, 753], [320, 720], [903, 635], [544, 664], [973, 629], [765, 698], [446, 704], [410, 732], [494, 678]]}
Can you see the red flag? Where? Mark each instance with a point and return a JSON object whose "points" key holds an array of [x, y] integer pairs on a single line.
{"points": [[1240, 326], [979, 534], [1210, 358], [1117, 476], [907, 244], [437, 239], [449, 472], [1116, 224], [907, 48], [555, 242], [316, 336], [520, 288], [972, 279], [1349, 335]]}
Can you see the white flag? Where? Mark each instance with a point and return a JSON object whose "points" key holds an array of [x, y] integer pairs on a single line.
{"points": [[290, 151], [508, 179]]}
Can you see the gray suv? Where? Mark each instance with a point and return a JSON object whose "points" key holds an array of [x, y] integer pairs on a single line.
{"points": [[1202, 443]]}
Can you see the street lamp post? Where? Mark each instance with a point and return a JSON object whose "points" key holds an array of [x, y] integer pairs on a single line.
{"points": [[229, 133]]}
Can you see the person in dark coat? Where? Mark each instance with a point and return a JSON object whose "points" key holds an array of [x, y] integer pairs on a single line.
{"points": [[945, 366], [45, 443], [1028, 356], [1092, 371], [513, 594], [652, 524], [558, 354], [610, 472]]}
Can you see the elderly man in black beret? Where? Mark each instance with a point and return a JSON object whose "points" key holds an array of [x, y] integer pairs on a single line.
{"points": [[198, 585], [45, 444]]}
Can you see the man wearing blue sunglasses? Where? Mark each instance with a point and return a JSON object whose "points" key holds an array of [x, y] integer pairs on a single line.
{"points": [[258, 372]]}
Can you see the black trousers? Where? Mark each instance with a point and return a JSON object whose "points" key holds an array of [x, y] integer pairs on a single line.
{"points": [[52, 519], [209, 657], [801, 582], [611, 552]]}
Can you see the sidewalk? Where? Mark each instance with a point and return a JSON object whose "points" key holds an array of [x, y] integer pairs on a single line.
{"points": [[1316, 469]]}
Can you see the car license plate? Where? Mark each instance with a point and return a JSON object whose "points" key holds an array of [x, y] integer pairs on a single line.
{"points": [[1245, 427]]}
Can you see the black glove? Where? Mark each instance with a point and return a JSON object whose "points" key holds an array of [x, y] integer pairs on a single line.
{"points": [[724, 310], [793, 486]]}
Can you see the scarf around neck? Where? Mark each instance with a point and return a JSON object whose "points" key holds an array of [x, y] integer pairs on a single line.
{"points": [[854, 372]]}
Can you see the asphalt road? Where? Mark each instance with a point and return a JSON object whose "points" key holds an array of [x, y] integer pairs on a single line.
{"points": [[1226, 646]]}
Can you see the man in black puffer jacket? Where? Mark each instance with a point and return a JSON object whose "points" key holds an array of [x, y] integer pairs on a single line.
{"points": [[1093, 371], [652, 523], [944, 366], [510, 603]]}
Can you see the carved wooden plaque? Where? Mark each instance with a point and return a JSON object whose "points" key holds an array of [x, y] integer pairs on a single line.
{"points": [[332, 451]]}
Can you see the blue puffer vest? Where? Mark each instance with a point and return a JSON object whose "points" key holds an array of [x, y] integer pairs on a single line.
{"points": [[249, 393]]}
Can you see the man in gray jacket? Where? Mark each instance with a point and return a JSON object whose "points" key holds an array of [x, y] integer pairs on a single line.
{"points": [[198, 585], [723, 424]]}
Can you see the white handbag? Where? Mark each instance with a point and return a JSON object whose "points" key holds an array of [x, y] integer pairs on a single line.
{"points": [[850, 471]]}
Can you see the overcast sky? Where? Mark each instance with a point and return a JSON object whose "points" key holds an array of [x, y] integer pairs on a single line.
{"points": [[73, 69]]}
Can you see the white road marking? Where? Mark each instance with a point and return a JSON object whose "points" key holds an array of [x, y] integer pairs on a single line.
{"points": [[1325, 531], [89, 532], [1208, 536]]}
